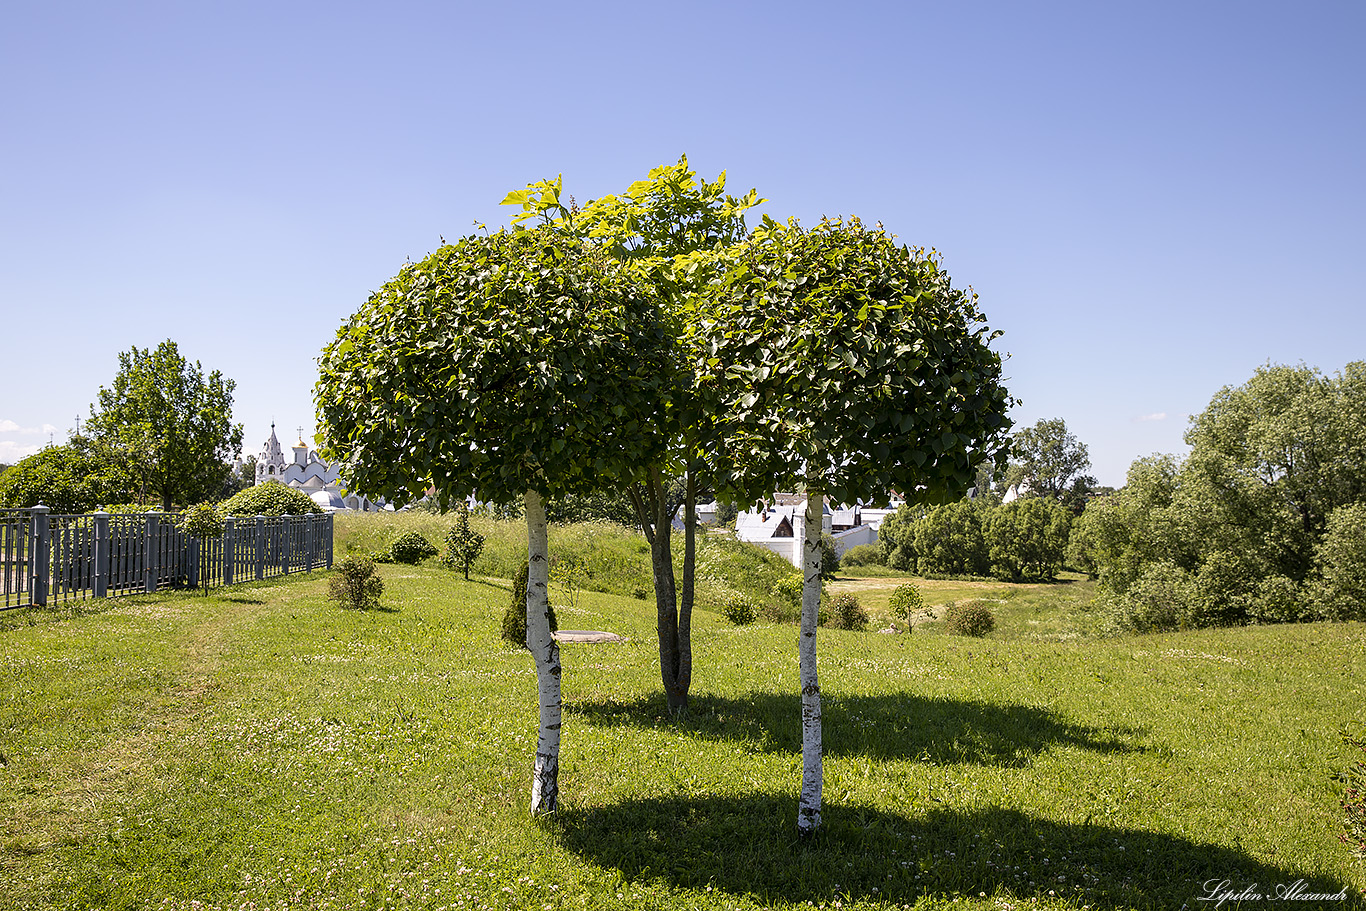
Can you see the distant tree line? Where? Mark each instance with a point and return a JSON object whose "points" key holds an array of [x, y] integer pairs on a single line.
{"points": [[1264, 521]]}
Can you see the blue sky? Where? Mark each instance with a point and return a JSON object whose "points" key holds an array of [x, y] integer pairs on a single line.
{"points": [[1151, 199]]}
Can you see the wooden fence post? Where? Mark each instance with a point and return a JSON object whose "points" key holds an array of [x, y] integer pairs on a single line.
{"points": [[149, 551], [102, 555], [260, 547], [40, 555], [229, 550]]}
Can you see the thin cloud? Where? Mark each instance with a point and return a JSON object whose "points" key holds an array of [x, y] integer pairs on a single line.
{"points": [[11, 427], [1155, 416]]}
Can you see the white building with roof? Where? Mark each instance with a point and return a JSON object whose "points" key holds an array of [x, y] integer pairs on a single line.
{"points": [[780, 525], [306, 471]]}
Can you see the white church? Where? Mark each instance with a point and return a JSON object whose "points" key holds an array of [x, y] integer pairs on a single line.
{"points": [[309, 473]]}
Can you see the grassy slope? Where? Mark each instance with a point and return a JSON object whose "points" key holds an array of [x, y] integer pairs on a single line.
{"points": [[261, 748]]}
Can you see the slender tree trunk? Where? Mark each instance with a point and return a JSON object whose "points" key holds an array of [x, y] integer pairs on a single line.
{"points": [[545, 783], [809, 804], [656, 520], [686, 601]]}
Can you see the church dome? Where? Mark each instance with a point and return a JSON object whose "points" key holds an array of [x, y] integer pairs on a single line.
{"points": [[328, 499]]}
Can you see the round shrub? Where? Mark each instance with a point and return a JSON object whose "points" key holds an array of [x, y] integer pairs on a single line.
{"points": [[862, 555], [270, 499], [905, 601], [355, 584], [739, 610], [970, 618], [411, 548], [847, 613]]}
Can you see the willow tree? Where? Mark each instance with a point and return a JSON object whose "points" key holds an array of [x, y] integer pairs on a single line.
{"points": [[845, 364], [512, 366], [670, 230]]}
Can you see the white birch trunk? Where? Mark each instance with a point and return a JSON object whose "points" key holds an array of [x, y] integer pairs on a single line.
{"points": [[809, 804], [545, 778]]}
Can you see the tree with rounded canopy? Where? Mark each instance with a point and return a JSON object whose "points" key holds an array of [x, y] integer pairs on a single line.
{"points": [[849, 365], [669, 229], [514, 365], [169, 423]]}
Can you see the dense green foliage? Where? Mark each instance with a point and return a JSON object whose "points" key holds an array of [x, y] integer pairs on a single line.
{"points": [[845, 612], [1262, 522], [170, 424], [498, 364], [412, 547], [69, 480], [354, 583], [271, 499], [843, 362], [861, 555], [739, 609], [1024, 540], [1052, 462], [969, 618]]}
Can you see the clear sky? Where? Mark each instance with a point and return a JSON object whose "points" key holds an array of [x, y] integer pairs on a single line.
{"points": [[1151, 199]]}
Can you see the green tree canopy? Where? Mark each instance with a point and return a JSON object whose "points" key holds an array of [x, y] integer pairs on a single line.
{"points": [[70, 479], [169, 423], [1240, 529], [1053, 462]]}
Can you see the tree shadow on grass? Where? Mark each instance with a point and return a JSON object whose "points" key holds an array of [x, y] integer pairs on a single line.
{"points": [[747, 845], [897, 726]]}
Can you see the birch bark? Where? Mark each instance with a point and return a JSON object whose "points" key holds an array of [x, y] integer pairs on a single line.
{"points": [[545, 778], [809, 804]]}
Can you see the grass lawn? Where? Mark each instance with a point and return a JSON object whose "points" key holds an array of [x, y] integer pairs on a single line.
{"points": [[261, 748]]}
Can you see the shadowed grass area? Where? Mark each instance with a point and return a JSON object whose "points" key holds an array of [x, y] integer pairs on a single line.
{"points": [[746, 845]]}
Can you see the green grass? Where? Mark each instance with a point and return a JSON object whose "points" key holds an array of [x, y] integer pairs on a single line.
{"points": [[262, 748]]}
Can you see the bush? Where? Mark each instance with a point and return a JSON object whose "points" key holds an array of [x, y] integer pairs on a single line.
{"points": [[739, 610], [970, 618], [847, 613], [514, 618], [1162, 598], [1354, 799], [355, 584], [1278, 600], [411, 548], [271, 499], [862, 555], [788, 592], [905, 601]]}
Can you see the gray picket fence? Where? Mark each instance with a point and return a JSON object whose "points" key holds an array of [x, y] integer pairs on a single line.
{"points": [[47, 559]]}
